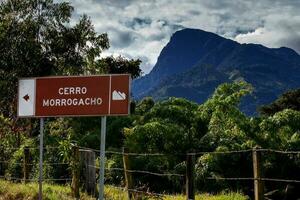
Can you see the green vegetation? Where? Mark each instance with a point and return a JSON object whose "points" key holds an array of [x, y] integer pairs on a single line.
{"points": [[172, 127], [29, 191], [230, 196], [17, 191], [288, 100], [37, 40]]}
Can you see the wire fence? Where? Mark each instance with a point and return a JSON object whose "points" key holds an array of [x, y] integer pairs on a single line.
{"points": [[161, 173], [198, 154]]}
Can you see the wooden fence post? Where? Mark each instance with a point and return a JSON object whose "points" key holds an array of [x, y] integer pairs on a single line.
{"points": [[26, 164], [128, 175], [75, 172], [190, 174], [88, 171], [257, 172]]}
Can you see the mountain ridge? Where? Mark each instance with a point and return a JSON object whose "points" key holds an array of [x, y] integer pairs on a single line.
{"points": [[192, 55]]}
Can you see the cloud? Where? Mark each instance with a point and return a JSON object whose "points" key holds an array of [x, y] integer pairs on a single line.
{"points": [[140, 29], [279, 30]]}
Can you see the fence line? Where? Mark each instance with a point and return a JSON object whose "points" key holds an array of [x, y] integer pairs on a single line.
{"points": [[139, 171], [139, 191], [18, 163], [280, 180], [231, 179], [216, 152], [154, 173], [252, 179], [35, 179], [166, 154], [279, 151], [16, 148], [255, 152], [192, 153]]}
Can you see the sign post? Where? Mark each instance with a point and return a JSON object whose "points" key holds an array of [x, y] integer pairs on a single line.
{"points": [[72, 96], [41, 158], [102, 158]]}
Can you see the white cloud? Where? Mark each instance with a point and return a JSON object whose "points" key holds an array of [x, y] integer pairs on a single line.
{"points": [[140, 29], [255, 37]]}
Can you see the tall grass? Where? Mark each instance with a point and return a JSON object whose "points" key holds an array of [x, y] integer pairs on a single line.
{"points": [[18, 191], [117, 194], [29, 191]]}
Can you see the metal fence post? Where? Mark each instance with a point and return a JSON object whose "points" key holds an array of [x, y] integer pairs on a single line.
{"points": [[102, 158], [41, 158]]}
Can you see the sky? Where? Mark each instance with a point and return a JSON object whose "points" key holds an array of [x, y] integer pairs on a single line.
{"points": [[139, 29]]}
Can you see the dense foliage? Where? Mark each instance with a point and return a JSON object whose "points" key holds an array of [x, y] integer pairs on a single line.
{"points": [[177, 126], [288, 100]]}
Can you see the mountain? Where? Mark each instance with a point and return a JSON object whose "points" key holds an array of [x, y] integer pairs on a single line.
{"points": [[195, 62]]}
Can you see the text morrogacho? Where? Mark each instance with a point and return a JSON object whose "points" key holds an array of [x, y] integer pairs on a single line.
{"points": [[74, 96]]}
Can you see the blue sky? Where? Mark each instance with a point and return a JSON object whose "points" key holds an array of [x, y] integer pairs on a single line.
{"points": [[141, 28]]}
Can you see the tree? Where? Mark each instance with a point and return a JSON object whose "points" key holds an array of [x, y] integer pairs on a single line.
{"points": [[227, 129], [37, 40], [162, 127], [288, 100], [120, 65], [223, 117], [282, 130]]}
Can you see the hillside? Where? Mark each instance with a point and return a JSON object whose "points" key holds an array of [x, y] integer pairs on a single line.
{"points": [[194, 62]]}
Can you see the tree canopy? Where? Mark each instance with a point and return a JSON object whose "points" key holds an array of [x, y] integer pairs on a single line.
{"points": [[288, 100]]}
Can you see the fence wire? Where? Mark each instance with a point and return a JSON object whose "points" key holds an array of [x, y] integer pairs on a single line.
{"points": [[164, 174], [192, 153], [138, 171], [34, 179], [139, 191]]}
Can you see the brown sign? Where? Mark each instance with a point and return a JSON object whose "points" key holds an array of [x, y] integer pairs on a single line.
{"points": [[75, 96]]}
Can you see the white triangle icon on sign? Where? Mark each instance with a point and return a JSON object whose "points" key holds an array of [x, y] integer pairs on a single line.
{"points": [[117, 95]]}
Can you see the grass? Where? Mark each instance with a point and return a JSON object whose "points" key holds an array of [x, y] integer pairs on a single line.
{"points": [[18, 191], [114, 193], [229, 196]]}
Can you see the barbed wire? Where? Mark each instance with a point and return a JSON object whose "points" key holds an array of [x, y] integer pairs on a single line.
{"points": [[139, 171], [18, 148], [230, 179], [278, 151], [141, 154], [154, 173], [252, 179], [162, 154], [35, 179], [220, 152], [28, 164], [193, 153], [280, 180], [138, 191], [166, 154]]}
